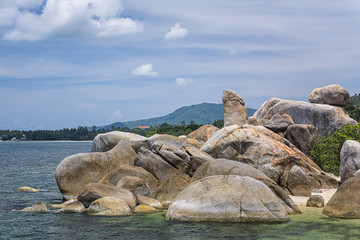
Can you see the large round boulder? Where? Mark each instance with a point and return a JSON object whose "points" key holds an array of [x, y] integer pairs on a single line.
{"points": [[345, 203], [227, 198], [109, 206], [349, 159], [229, 167], [234, 109], [75, 171], [324, 118], [105, 141], [332, 95]]}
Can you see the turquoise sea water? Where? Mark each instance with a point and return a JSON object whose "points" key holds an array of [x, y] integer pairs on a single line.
{"points": [[33, 164]]}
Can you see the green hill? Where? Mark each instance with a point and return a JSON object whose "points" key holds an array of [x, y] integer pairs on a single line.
{"points": [[203, 113]]}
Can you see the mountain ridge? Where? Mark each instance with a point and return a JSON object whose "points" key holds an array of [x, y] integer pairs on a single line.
{"points": [[203, 113]]}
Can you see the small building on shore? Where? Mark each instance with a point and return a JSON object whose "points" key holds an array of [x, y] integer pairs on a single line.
{"points": [[23, 138], [143, 127]]}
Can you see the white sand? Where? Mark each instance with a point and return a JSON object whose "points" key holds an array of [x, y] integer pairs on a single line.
{"points": [[326, 193]]}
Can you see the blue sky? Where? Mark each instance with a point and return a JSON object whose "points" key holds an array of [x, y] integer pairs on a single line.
{"points": [[67, 63]]}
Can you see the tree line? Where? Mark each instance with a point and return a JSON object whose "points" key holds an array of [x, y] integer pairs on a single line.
{"points": [[88, 133]]}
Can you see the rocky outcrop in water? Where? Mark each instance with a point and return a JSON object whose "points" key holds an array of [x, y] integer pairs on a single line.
{"points": [[228, 198]]}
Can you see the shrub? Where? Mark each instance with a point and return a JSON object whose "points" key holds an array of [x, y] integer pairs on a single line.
{"points": [[326, 151]]}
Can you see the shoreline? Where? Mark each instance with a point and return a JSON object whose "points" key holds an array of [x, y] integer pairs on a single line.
{"points": [[326, 194]]}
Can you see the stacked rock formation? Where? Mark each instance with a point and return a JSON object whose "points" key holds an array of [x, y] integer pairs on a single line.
{"points": [[243, 172]]}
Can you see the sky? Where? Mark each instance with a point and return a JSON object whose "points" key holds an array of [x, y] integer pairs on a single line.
{"points": [[66, 63]]}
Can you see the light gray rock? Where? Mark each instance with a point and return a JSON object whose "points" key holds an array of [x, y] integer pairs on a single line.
{"points": [[349, 159], [345, 203], [315, 201], [234, 109], [227, 198], [302, 136], [324, 118], [297, 182], [75, 171], [332, 95], [109, 206], [93, 191], [105, 141], [122, 171], [229, 167]]}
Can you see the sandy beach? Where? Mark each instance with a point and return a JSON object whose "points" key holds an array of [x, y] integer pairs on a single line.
{"points": [[326, 193]]}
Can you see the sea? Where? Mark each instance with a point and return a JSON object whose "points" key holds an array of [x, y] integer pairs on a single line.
{"points": [[33, 164]]}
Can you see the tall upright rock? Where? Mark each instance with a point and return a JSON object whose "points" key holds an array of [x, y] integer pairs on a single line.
{"points": [[234, 109]]}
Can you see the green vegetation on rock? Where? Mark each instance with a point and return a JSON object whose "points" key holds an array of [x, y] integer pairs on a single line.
{"points": [[326, 152], [354, 107]]}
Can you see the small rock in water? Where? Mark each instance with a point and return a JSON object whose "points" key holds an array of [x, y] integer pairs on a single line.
{"points": [[315, 201], [73, 207], [144, 208], [38, 207], [27, 189]]}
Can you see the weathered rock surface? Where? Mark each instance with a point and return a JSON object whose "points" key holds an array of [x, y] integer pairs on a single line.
{"points": [[169, 189], [38, 207], [227, 199], [345, 203], [75, 171], [109, 206], [297, 181], [73, 207], [332, 95], [324, 118], [27, 189], [143, 200], [203, 133], [144, 209], [250, 144], [93, 191], [135, 185], [302, 136], [155, 164], [234, 109], [122, 171], [315, 201], [106, 141], [349, 159], [229, 167]]}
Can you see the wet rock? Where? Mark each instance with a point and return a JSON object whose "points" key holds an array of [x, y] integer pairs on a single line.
{"points": [[144, 209], [109, 206], [27, 189], [332, 95], [143, 200], [234, 109], [38, 207], [75, 171], [227, 199], [315, 201], [349, 159], [94, 191], [73, 207]]}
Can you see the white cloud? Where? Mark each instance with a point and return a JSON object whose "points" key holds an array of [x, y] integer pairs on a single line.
{"points": [[183, 81], [116, 116], [90, 18], [176, 32], [145, 70]]}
